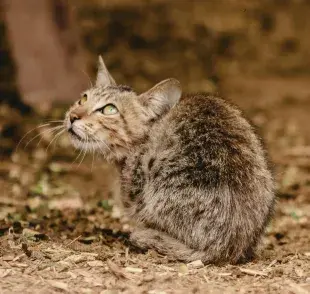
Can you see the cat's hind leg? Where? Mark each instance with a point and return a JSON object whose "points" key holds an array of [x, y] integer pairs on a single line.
{"points": [[146, 238]]}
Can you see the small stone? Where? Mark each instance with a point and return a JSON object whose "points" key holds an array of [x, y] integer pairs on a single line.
{"points": [[195, 264], [183, 269]]}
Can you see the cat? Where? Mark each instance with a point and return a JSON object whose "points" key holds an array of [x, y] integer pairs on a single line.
{"points": [[194, 175]]}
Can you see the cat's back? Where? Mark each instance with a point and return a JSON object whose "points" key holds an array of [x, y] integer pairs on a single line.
{"points": [[203, 178], [208, 142], [208, 117]]}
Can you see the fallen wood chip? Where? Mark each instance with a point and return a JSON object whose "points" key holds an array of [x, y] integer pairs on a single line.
{"points": [[133, 269], [4, 272], [109, 292], [297, 289], [253, 272], [18, 257], [224, 274], [18, 264], [57, 284], [81, 272], [95, 263], [116, 270], [272, 263], [156, 292], [76, 258], [8, 257]]}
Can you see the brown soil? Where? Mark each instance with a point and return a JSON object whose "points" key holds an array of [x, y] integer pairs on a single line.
{"points": [[77, 241], [61, 230]]}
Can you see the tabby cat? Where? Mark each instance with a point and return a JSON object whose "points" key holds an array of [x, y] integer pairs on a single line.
{"points": [[193, 173]]}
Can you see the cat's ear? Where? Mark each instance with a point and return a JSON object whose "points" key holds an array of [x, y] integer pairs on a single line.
{"points": [[103, 76], [162, 97]]}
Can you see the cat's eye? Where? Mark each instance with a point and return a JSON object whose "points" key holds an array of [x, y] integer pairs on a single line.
{"points": [[83, 99], [108, 109]]}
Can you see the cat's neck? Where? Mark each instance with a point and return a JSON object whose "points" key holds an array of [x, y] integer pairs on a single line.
{"points": [[124, 163]]}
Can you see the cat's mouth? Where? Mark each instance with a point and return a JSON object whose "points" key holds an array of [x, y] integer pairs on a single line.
{"points": [[75, 135]]}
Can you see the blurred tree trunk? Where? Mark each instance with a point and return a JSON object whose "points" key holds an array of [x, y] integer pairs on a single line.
{"points": [[46, 49]]}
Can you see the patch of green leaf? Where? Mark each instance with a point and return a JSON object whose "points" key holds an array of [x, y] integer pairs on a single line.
{"points": [[105, 204]]}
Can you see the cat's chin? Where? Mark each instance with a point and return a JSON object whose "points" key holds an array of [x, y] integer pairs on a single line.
{"points": [[88, 146]]}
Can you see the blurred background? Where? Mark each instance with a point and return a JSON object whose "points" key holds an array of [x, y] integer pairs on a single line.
{"points": [[254, 53]]}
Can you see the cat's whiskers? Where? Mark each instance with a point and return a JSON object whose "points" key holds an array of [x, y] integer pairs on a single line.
{"points": [[81, 150], [92, 163], [93, 138], [84, 154], [56, 137], [55, 121], [56, 130], [105, 144], [35, 128], [50, 130], [100, 148], [85, 149]]}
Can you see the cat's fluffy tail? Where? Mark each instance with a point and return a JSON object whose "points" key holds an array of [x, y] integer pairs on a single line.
{"points": [[164, 244]]}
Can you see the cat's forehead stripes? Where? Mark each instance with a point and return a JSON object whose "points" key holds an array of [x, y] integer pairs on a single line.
{"points": [[108, 92]]}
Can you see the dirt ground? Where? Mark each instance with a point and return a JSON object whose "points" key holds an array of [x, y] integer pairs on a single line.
{"points": [[61, 231], [61, 226]]}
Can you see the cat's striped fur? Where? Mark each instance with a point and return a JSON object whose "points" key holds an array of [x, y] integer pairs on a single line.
{"points": [[194, 175]]}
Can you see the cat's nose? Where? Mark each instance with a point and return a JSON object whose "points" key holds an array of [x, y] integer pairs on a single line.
{"points": [[74, 117]]}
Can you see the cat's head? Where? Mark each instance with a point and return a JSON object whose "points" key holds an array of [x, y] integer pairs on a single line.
{"points": [[112, 119]]}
